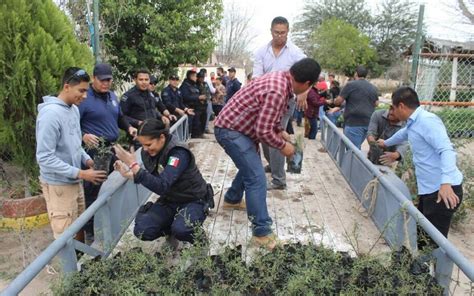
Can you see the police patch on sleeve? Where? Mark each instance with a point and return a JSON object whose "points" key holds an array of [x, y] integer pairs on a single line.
{"points": [[124, 98], [173, 161]]}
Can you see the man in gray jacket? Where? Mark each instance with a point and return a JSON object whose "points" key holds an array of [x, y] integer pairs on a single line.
{"points": [[383, 124], [59, 152]]}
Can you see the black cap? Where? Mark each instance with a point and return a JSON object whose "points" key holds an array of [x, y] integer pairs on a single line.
{"points": [[173, 77], [231, 69], [153, 79], [201, 75], [103, 71]]}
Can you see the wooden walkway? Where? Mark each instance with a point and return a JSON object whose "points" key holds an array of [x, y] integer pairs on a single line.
{"points": [[318, 205]]}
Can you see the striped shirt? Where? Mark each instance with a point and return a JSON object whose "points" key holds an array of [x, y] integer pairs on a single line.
{"points": [[256, 110]]}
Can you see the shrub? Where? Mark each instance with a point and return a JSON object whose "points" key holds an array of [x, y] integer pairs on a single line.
{"points": [[289, 270], [459, 122], [37, 44]]}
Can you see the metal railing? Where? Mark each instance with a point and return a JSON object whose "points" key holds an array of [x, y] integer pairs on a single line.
{"points": [[113, 211], [359, 171]]}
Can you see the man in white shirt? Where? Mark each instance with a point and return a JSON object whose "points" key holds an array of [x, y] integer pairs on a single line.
{"points": [[277, 55], [209, 104]]}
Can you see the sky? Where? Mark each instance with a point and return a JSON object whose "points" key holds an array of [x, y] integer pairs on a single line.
{"points": [[441, 19]]}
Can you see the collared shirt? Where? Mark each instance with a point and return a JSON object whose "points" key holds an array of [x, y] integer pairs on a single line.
{"points": [[381, 128], [101, 115], [256, 110], [265, 60], [433, 153]]}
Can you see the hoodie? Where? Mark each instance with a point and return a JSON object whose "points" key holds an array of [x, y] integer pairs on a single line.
{"points": [[58, 142]]}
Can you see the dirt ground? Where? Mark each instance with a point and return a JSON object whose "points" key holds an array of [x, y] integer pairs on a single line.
{"points": [[18, 248]]}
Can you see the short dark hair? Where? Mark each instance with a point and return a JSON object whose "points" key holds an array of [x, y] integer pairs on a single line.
{"points": [[189, 73], [279, 20], [140, 71], [306, 69], [220, 69], [74, 76], [153, 128], [361, 71], [407, 96], [332, 75]]}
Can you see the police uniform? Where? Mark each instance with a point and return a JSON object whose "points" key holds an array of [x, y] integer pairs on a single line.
{"points": [[190, 92], [184, 194], [172, 99], [138, 105]]}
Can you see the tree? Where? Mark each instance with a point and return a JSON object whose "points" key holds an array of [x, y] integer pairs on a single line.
{"points": [[344, 53], [234, 37], [37, 44], [354, 12], [467, 10], [394, 29], [159, 34]]}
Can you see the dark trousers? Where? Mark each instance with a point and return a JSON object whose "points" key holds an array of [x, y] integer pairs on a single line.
{"points": [[437, 213], [198, 122], [91, 190], [179, 220], [313, 128], [217, 109]]}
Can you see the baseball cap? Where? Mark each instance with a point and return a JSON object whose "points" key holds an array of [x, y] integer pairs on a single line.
{"points": [[231, 69], [153, 79], [173, 77], [103, 71]]}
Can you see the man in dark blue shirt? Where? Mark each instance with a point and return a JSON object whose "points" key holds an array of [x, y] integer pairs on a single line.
{"points": [[233, 85], [100, 120]]}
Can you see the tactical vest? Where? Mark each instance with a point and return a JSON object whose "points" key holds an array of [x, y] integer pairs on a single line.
{"points": [[190, 186]]}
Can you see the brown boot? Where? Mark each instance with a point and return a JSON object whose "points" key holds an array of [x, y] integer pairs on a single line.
{"points": [[269, 241], [241, 206]]}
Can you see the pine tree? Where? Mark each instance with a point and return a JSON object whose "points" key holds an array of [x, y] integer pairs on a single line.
{"points": [[37, 44]]}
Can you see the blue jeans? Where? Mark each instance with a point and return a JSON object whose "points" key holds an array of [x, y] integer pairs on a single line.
{"points": [[298, 117], [356, 134], [250, 178], [169, 219], [333, 116], [321, 112], [208, 114], [313, 130]]}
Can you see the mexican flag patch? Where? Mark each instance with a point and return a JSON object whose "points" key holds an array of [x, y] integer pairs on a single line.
{"points": [[173, 161]]}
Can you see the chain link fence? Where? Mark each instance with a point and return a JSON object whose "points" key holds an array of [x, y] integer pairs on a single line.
{"points": [[445, 84]]}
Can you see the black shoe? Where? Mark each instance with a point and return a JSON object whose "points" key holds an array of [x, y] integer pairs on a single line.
{"points": [[273, 186], [268, 169]]}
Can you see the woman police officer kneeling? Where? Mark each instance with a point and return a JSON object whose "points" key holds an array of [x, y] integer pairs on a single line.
{"points": [[170, 171]]}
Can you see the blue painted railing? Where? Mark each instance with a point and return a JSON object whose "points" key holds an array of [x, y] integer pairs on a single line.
{"points": [[391, 206], [113, 211]]}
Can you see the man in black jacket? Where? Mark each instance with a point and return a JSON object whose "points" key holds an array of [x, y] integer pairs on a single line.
{"points": [[191, 98], [138, 103]]}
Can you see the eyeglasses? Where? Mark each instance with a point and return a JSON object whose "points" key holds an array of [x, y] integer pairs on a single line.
{"points": [[79, 74]]}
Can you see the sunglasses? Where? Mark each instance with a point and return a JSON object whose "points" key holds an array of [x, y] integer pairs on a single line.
{"points": [[78, 74]]}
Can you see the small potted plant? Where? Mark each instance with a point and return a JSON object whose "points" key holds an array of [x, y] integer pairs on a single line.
{"points": [[103, 156]]}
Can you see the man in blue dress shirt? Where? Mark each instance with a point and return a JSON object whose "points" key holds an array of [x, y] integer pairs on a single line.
{"points": [[439, 181]]}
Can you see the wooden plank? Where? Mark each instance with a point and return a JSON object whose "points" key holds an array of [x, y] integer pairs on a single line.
{"points": [[342, 205]]}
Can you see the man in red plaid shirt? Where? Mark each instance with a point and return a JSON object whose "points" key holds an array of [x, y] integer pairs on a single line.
{"points": [[253, 116]]}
